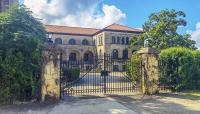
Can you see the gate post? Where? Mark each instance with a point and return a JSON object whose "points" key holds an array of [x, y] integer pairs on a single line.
{"points": [[50, 78], [149, 70]]}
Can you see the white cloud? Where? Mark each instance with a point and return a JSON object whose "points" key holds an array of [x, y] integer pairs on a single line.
{"points": [[196, 35], [198, 25], [83, 13]]}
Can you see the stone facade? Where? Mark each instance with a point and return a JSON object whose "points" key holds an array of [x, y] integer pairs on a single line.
{"points": [[113, 41], [5, 3], [78, 48]]}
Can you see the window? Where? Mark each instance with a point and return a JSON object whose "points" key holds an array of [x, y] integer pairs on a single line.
{"points": [[72, 41], [72, 57], [58, 41], [124, 67], [125, 54], [115, 68], [85, 42], [88, 58], [113, 40], [100, 40], [127, 40], [115, 54], [123, 40], [118, 40], [6, 2]]}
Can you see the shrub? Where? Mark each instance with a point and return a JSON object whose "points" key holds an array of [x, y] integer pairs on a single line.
{"points": [[71, 74], [21, 39], [180, 68], [133, 67]]}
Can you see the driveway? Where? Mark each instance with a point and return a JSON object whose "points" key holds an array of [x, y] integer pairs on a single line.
{"points": [[123, 104], [74, 106]]}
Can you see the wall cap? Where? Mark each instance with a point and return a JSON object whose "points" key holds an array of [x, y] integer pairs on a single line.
{"points": [[148, 50]]}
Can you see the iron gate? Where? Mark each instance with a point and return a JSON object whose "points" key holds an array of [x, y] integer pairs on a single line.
{"points": [[100, 75]]}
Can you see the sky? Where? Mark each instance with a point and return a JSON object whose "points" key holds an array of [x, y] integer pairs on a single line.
{"points": [[101, 13]]}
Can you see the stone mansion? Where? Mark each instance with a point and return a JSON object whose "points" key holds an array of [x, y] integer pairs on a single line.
{"points": [[85, 43]]}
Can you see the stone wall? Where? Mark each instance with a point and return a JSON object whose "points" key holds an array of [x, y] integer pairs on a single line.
{"points": [[149, 78], [50, 84]]}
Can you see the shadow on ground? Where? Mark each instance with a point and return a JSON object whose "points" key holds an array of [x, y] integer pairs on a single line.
{"points": [[158, 104], [161, 104]]}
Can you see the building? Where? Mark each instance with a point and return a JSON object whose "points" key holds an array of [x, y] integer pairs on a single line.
{"points": [[4, 4], [85, 43]]}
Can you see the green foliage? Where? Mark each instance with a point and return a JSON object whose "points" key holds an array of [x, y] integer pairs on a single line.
{"points": [[21, 39], [134, 67], [160, 31], [71, 74], [180, 68]]}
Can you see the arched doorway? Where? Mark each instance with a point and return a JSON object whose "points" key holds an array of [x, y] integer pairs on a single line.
{"points": [[74, 56], [88, 57]]}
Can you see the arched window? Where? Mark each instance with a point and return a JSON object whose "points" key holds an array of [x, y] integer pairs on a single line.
{"points": [[72, 57], [127, 40], [85, 42], [125, 54], [115, 54], [72, 41], [113, 40], [58, 41], [123, 40]]}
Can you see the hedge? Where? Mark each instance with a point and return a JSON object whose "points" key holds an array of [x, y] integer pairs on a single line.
{"points": [[71, 74], [133, 67], [180, 68]]}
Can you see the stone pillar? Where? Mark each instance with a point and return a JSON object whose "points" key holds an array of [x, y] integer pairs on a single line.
{"points": [[50, 79], [149, 79]]}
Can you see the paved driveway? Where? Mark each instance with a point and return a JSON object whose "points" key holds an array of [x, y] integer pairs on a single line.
{"points": [[76, 106], [124, 104]]}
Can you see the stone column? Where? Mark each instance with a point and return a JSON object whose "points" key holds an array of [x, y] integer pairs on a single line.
{"points": [[149, 79], [50, 79]]}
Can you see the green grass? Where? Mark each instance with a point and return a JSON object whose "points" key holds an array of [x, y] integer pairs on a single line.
{"points": [[195, 93]]}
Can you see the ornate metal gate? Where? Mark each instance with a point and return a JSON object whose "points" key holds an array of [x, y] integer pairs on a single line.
{"points": [[99, 75]]}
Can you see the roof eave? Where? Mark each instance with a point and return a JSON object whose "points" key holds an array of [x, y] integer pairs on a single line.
{"points": [[70, 34]]}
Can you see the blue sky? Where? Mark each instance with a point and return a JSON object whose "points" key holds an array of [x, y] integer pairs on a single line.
{"points": [[101, 13], [137, 11]]}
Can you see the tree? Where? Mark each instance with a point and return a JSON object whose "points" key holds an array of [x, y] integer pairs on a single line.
{"points": [[160, 31], [21, 40]]}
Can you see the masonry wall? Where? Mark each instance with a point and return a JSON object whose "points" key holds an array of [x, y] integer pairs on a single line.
{"points": [[50, 85]]}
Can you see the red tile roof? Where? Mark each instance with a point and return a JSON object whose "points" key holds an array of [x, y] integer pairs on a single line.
{"points": [[70, 30], [87, 31], [121, 28]]}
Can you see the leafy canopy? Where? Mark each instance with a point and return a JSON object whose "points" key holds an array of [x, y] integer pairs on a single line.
{"points": [[160, 31], [21, 39]]}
